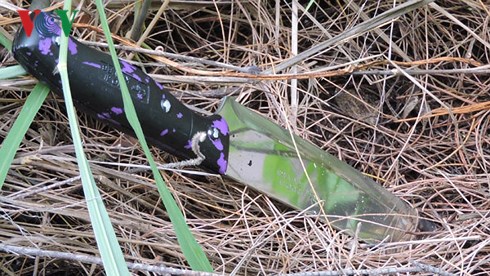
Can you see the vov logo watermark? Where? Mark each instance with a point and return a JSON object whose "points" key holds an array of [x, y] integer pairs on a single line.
{"points": [[28, 22]]}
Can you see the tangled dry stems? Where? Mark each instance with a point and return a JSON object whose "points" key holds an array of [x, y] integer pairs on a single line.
{"points": [[394, 126]]}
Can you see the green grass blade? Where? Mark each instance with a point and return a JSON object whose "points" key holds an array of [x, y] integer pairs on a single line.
{"points": [[11, 72], [110, 251], [19, 129], [5, 41], [192, 251]]}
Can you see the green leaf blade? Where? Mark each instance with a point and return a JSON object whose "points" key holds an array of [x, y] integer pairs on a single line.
{"points": [[192, 251], [17, 132], [105, 236]]}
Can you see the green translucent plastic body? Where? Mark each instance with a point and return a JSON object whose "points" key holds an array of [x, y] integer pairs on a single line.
{"points": [[263, 155]]}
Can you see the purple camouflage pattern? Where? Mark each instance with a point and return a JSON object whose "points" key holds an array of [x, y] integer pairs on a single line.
{"points": [[166, 122]]}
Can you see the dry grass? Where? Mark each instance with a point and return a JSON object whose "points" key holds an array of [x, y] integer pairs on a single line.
{"points": [[423, 133]]}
